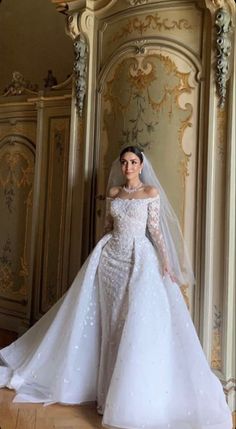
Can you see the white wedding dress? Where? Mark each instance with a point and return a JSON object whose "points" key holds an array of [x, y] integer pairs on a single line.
{"points": [[122, 336]]}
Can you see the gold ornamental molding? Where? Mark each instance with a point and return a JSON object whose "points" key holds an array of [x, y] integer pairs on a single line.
{"points": [[154, 22]]}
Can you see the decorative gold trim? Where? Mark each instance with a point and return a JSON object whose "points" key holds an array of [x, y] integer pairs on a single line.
{"points": [[152, 22]]}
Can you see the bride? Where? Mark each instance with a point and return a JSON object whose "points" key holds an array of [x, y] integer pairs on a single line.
{"points": [[122, 335]]}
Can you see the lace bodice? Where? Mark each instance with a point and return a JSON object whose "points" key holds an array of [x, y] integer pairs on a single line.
{"points": [[129, 219]]}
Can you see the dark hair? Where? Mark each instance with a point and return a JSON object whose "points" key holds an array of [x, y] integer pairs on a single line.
{"points": [[133, 149]]}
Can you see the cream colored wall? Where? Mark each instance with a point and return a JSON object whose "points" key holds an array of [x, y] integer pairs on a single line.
{"points": [[32, 41]]}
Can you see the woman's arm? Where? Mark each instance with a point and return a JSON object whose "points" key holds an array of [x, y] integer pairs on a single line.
{"points": [[153, 225], [108, 224]]}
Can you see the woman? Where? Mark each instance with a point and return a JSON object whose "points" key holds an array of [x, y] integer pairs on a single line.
{"points": [[122, 334]]}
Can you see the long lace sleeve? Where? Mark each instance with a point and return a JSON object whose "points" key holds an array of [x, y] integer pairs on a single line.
{"points": [[108, 224], [153, 226]]}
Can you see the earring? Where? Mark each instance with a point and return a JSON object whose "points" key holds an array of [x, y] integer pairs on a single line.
{"points": [[140, 172]]}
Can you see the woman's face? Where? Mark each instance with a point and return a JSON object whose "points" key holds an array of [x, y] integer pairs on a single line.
{"points": [[130, 165]]}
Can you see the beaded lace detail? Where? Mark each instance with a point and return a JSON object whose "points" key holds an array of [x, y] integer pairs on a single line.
{"points": [[153, 224], [131, 218]]}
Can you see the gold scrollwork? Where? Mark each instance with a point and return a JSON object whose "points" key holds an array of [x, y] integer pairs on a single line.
{"points": [[16, 175], [17, 171], [141, 73], [150, 22]]}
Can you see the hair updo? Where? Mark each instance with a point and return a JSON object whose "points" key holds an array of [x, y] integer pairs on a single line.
{"points": [[133, 149]]}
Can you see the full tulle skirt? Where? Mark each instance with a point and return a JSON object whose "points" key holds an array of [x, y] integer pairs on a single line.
{"points": [[122, 336]]}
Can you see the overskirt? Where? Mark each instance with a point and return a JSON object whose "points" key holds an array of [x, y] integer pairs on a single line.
{"points": [[160, 379]]}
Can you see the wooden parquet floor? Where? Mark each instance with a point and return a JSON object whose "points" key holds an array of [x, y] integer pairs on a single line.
{"points": [[37, 416]]}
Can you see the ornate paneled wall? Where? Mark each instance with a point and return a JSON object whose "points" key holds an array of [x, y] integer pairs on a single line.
{"points": [[18, 120], [160, 74], [34, 203]]}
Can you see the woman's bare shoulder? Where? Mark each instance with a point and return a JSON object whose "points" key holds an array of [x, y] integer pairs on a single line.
{"points": [[114, 191], [151, 191]]}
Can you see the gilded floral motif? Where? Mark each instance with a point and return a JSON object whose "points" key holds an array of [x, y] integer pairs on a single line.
{"points": [[150, 22], [16, 183], [141, 74], [16, 172]]}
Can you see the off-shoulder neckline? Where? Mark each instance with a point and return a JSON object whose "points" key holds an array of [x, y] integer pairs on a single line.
{"points": [[133, 199]]}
